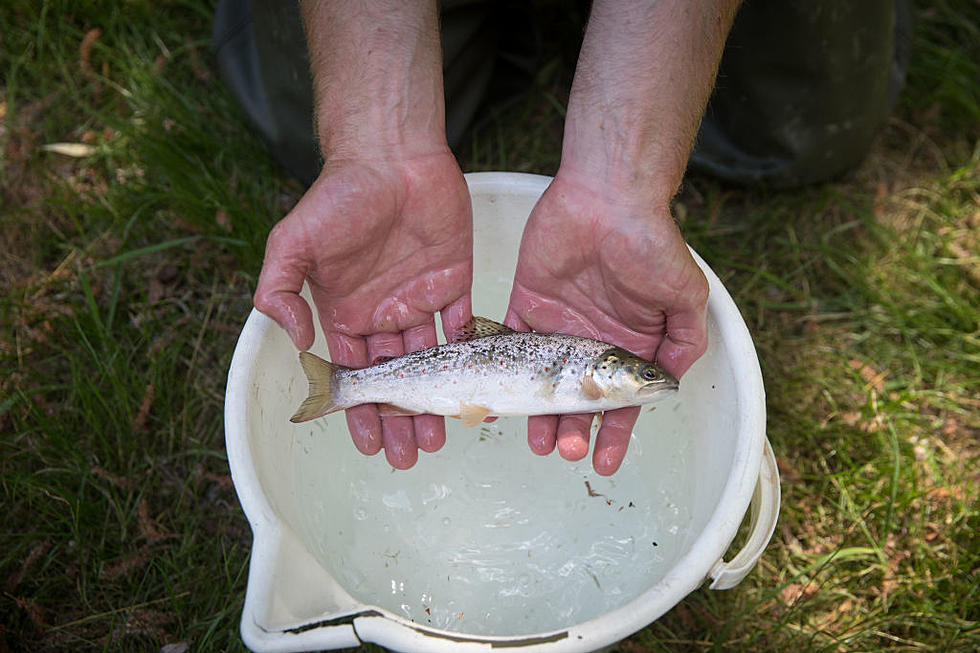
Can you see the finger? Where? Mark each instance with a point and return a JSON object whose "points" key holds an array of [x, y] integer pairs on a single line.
{"points": [[514, 321], [613, 439], [383, 345], [364, 425], [684, 342], [363, 421], [349, 351], [420, 337], [541, 433], [455, 316], [277, 292], [397, 433], [430, 430], [572, 435]]}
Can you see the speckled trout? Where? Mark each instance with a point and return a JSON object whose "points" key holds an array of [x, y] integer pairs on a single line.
{"points": [[490, 370]]}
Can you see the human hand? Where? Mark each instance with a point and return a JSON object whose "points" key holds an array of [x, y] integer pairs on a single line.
{"points": [[383, 244], [603, 264]]}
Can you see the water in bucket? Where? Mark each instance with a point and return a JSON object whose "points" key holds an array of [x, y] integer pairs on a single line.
{"points": [[484, 537]]}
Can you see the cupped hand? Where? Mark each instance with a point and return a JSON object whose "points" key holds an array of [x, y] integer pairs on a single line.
{"points": [[384, 245], [612, 266]]}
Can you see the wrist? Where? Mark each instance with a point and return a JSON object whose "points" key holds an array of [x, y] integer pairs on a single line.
{"points": [[371, 135], [618, 161], [619, 183], [603, 205]]}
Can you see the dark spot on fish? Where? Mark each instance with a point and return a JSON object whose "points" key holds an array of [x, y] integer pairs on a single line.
{"points": [[655, 544]]}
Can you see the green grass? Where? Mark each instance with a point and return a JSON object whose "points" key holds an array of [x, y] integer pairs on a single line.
{"points": [[126, 275]]}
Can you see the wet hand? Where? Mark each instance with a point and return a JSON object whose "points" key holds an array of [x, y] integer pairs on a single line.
{"points": [[384, 245], [615, 268]]}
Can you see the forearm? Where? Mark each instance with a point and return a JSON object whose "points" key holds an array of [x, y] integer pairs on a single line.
{"points": [[377, 76], [644, 75]]}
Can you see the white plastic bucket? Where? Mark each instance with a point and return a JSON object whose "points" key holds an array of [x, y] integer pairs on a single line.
{"points": [[347, 550]]}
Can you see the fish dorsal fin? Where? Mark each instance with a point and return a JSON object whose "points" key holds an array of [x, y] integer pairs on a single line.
{"points": [[481, 327]]}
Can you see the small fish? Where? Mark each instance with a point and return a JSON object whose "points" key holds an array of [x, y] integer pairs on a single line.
{"points": [[490, 370]]}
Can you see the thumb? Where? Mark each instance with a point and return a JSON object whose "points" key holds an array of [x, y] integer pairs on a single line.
{"points": [[277, 293], [686, 338]]}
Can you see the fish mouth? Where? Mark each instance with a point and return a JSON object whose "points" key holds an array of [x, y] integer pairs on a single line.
{"points": [[666, 384]]}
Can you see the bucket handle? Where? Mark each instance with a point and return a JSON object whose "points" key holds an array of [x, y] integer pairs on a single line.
{"points": [[765, 511]]}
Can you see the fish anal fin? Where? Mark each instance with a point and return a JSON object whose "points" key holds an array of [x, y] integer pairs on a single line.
{"points": [[481, 327], [591, 389], [472, 414], [391, 410]]}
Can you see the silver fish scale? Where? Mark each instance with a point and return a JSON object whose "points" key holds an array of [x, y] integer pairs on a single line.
{"points": [[487, 369], [541, 353]]}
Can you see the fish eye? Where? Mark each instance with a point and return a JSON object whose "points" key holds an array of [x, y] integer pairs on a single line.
{"points": [[649, 373]]}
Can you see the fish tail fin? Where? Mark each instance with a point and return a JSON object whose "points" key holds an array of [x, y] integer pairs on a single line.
{"points": [[320, 374]]}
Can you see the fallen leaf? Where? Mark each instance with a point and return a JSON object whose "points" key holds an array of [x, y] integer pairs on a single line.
{"points": [[795, 592], [179, 647], [75, 150]]}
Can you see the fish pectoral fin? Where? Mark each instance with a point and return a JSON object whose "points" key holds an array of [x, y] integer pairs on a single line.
{"points": [[590, 388], [472, 414], [391, 410], [481, 327]]}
